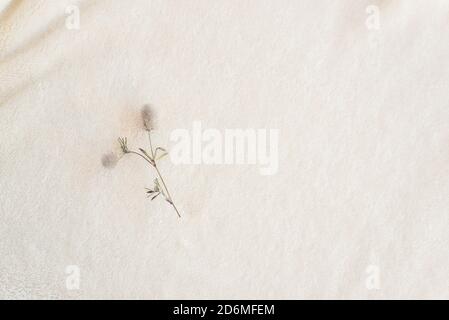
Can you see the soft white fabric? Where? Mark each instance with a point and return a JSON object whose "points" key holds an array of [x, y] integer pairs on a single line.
{"points": [[363, 184]]}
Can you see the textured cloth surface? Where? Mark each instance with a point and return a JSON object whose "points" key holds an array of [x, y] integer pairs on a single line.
{"points": [[359, 207]]}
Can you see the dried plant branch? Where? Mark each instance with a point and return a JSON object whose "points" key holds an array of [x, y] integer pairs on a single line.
{"points": [[150, 157]]}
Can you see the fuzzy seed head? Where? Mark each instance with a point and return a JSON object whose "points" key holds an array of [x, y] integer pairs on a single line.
{"points": [[148, 116], [109, 160]]}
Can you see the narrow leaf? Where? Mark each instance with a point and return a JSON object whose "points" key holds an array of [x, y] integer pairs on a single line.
{"points": [[155, 196], [145, 153], [163, 153]]}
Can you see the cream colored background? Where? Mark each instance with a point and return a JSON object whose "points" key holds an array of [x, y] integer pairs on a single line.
{"points": [[364, 149]]}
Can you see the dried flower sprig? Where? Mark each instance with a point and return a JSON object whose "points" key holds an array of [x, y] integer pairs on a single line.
{"points": [[151, 157]]}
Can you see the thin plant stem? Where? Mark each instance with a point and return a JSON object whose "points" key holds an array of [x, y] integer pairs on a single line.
{"points": [[160, 175], [143, 157], [151, 144], [166, 189]]}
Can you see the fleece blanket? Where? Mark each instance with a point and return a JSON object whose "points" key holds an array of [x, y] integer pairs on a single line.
{"points": [[346, 195]]}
